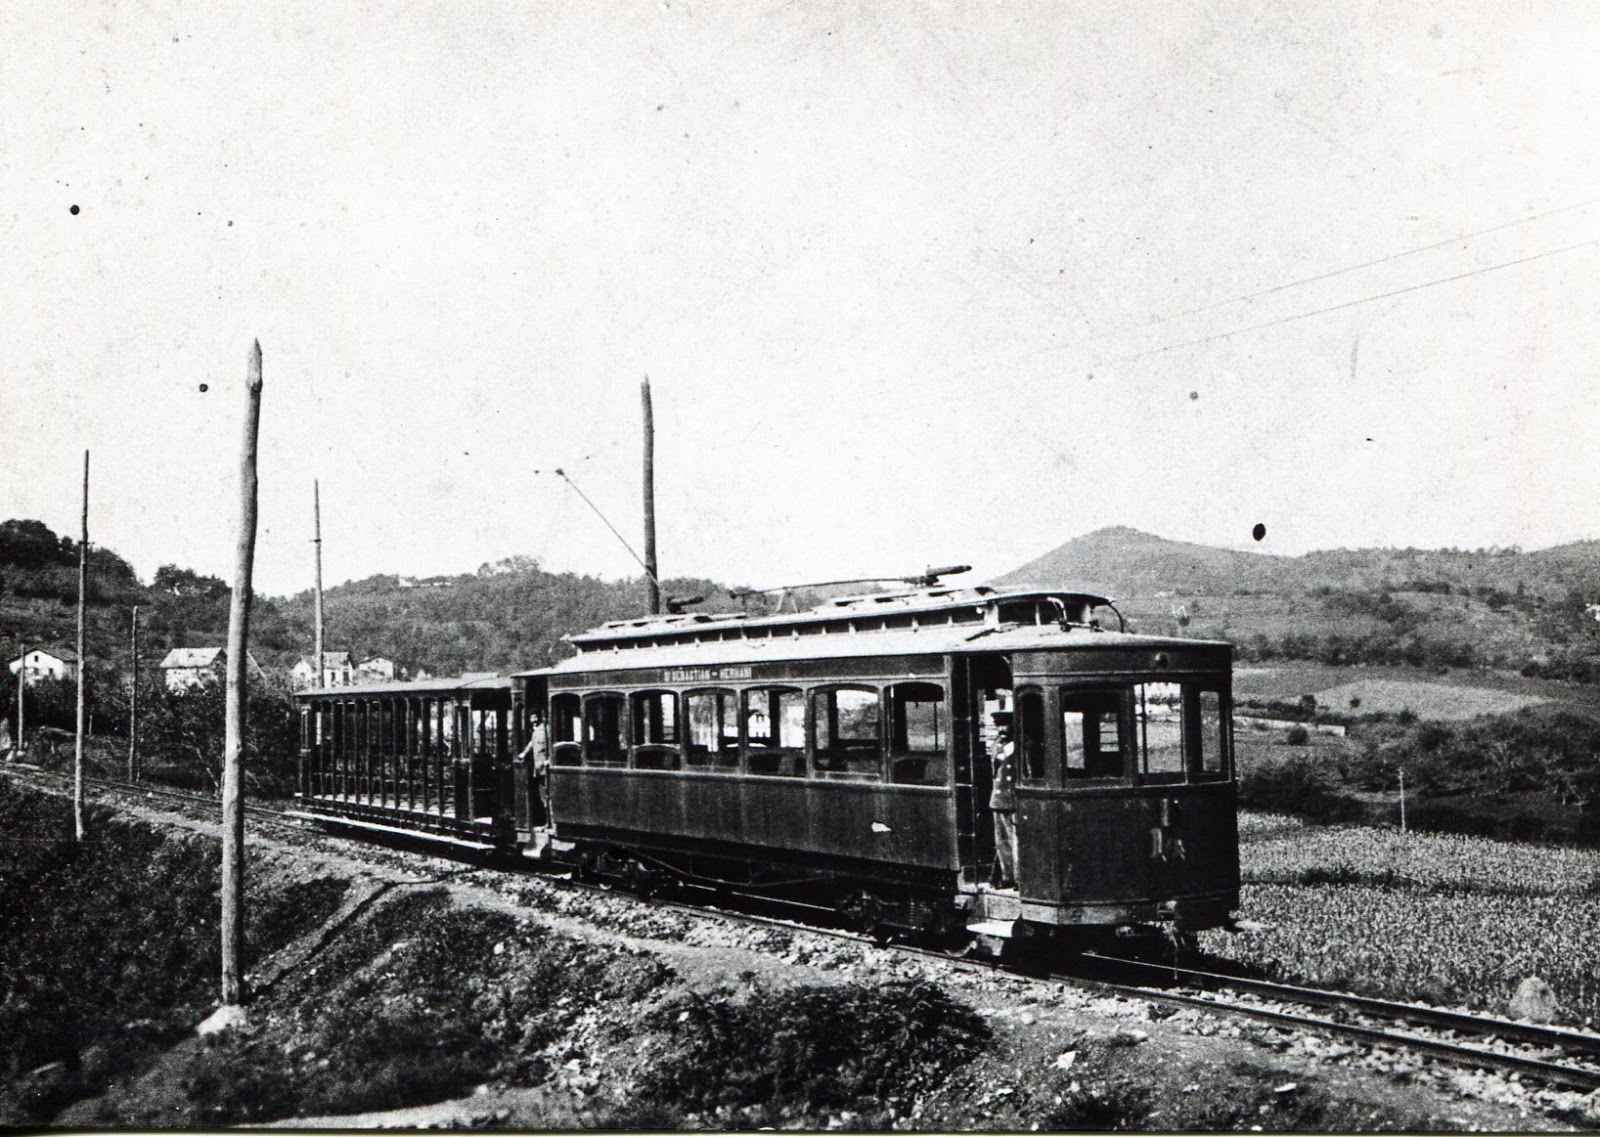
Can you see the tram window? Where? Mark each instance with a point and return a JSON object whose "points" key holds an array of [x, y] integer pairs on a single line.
{"points": [[602, 720], [1212, 733], [917, 738], [655, 730], [1030, 735], [1091, 734], [775, 731], [713, 730], [848, 731], [565, 726], [1158, 713]]}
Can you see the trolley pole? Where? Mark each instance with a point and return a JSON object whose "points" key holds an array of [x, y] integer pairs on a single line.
{"points": [[233, 744], [133, 698], [652, 583], [316, 514], [83, 588]]}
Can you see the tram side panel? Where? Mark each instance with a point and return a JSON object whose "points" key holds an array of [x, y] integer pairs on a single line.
{"points": [[802, 822]]}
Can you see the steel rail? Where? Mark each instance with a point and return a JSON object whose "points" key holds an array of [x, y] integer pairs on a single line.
{"points": [[1553, 1073], [1535, 1034]]}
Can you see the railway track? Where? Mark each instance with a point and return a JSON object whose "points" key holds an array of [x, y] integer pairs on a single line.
{"points": [[1376, 1022], [1546, 1054]]}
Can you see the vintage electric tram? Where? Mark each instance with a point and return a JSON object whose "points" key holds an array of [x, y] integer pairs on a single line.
{"points": [[839, 757]]}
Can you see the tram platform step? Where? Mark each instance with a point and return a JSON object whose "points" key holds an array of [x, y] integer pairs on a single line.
{"points": [[999, 929], [391, 830]]}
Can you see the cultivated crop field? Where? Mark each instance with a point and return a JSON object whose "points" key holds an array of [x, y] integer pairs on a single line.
{"points": [[1286, 681], [1435, 917]]}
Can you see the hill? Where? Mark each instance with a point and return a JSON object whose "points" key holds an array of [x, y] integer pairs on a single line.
{"points": [[1125, 562], [1499, 608], [507, 615], [1490, 607]]}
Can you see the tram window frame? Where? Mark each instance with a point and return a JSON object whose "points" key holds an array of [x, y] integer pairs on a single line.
{"points": [[784, 753], [722, 758], [1080, 701], [859, 762], [655, 745], [1032, 735], [566, 729], [1201, 769], [599, 750], [910, 764], [1174, 756]]}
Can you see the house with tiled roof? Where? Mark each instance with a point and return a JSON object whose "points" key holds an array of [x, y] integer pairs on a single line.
{"points": [[338, 670], [47, 663], [186, 667]]}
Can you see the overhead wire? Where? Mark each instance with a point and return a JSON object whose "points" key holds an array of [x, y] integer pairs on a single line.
{"points": [[1348, 304], [1369, 264]]}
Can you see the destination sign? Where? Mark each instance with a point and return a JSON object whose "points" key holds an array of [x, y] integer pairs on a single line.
{"points": [[706, 674]]}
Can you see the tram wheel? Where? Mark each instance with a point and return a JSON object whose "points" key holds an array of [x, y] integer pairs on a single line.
{"points": [[863, 912], [645, 881]]}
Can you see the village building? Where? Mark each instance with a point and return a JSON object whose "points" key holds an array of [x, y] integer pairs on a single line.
{"points": [[47, 663], [337, 671], [376, 670], [188, 667]]}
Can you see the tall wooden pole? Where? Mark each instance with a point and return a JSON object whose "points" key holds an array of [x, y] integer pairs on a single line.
{"points": [[83, 590], [133, 699], [316, 507], [22, 684], [233, 744], [651, 583]]}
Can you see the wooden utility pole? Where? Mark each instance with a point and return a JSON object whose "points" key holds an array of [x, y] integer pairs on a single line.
{"points": [[133, 699], [22, 684], [652, 583], [83, 590], [238, 655], [316, 507]]}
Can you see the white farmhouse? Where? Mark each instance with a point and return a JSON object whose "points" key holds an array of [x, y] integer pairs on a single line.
{"points": [[376, 670], [186, 667], [47, 663], [337, 671]]}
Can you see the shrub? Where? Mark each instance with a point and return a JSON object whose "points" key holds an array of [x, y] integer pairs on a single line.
{"points": [[1301, 785], [1297, 736]]}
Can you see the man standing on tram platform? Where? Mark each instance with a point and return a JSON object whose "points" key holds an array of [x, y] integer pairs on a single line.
{"points": [[1003, 804]]}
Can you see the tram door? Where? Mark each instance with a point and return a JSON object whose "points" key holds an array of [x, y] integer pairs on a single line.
{"points": [[981, 689]]}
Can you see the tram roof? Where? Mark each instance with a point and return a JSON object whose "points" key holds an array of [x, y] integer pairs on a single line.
{"points": [[789, 638], [972, 601], [445, 685]]}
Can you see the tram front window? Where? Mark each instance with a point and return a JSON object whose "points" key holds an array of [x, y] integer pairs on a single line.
{"points": [[1158, 710], [1161, 732], [1091, 727]]}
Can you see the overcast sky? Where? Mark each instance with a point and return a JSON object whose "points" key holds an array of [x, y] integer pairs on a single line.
{"points": [[913, 282]]}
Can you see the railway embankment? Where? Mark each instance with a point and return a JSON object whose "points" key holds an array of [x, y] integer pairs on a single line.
{"points": [[398, 990]]}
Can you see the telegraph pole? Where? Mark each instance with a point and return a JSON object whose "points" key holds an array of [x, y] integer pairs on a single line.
{"points": [[22, 683], [316, 507], [133, 699], [652, 583], [83, 589], [233, 745]]}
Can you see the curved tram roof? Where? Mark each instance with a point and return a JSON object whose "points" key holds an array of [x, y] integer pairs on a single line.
{"points": [[932, 621]]}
